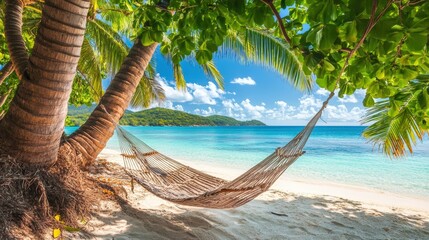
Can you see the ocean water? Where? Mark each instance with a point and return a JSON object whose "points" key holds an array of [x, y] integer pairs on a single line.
{"points": [[333, 154]]}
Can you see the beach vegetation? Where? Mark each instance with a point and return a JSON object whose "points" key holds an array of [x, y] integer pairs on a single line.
{"points": [[163, 117]]}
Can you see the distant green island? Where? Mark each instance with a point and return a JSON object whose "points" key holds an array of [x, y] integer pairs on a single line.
{"points": [[159, 117]]}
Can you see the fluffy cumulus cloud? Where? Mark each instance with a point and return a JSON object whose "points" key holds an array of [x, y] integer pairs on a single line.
{"points": [[205, 112], [194, 92], [279, 111], [233, 109], [341, 113], [243, 81], [205, 94], [179, 107], [168, 104], [322, 91], [348, 99], [282, 111], [254, 111], [172, 93]]}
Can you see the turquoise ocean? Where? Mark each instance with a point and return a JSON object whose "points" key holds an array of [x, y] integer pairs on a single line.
{"points": [[333, 154]]}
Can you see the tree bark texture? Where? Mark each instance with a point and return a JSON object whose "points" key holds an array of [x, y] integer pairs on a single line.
{"points": [[92, 136], [34, 124], [13, 32]]}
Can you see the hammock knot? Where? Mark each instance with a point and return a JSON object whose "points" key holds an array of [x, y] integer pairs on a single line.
{"points": [[279, 153], [149, 153]]}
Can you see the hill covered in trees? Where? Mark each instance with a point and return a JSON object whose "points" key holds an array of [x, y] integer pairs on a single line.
{"points": [[160, 117]]}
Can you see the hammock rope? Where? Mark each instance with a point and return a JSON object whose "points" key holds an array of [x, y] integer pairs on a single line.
{"points": [[181, 184]]}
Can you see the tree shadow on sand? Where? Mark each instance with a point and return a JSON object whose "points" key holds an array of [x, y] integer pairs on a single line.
{"points": [[273, 215], [288, 216]]}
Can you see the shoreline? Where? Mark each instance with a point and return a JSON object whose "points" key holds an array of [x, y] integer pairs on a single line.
{"points": [[291, 209], [371, 197]]}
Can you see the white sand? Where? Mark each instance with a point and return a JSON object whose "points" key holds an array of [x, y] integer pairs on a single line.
{"points": [[292, 209]]}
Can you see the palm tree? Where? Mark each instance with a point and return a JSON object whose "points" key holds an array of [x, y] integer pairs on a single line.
{"points": [[34, 123], [32, 129], [103, 51]]}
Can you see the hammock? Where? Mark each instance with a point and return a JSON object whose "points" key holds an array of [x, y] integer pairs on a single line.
{"points": [[181, 184]]}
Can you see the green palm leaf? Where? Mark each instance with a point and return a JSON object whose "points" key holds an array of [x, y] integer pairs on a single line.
{"points": [[211, 71], [90, 66], [395, 123], [178, 75], [108, 43], [265, 49], [392, 134], [148, 91]]}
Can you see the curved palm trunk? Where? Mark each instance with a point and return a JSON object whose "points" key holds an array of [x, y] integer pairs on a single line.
{"points": [[6, 71], [13, 33], [33, 127], [92, 136]]}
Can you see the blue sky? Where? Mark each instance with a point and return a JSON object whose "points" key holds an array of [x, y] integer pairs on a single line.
{"points": [[252, 92]]}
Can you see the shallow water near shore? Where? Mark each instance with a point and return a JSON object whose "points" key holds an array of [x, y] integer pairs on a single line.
{"points": [[333, 154]]}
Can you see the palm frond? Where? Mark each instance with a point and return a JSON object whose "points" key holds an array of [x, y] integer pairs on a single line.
{"points": [[148, 91], [120, 21], [392, 134], [151, 68], [178, 76], [395, 127], [90, 66], [263, 48], [211, 71], [108, 43], [232, 48]]}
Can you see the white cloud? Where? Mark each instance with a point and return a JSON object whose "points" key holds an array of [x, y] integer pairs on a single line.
{"points": [[281, 104], [194, 92], [208, 112], [168, 104], [243, 81], [341, 113], [360, 92], [179, 107], [172, 93], [322, 91], [283, 110], [255, 111], [279, 111], [310, 101], [205, 94], [348, 99]]}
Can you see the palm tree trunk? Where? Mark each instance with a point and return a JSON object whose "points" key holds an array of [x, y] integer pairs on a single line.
{"points": [[13, 32], [92, 136], [34, 124], [6, 71]]}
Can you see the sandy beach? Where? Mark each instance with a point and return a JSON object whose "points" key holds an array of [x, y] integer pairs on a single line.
{"points": [[291, 209]]}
